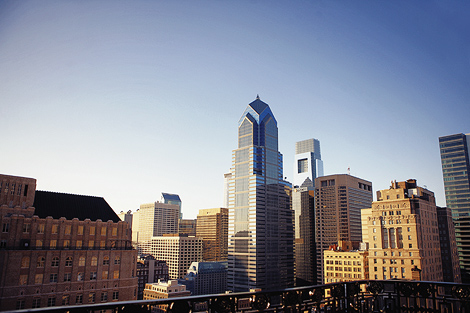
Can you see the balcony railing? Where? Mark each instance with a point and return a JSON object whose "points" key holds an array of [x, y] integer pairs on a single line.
{"points": [[357, 296]]}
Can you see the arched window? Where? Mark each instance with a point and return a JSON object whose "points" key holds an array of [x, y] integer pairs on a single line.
{"points": [[25, 262], [117, 260], [55, 262], [68, 261], [94, 261], [41, 261], [106, 260]]}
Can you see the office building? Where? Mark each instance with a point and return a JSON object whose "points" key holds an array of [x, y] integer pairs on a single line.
{"points": [[164, 290], [346, 261], [61, 249], [212, 228], [449, 254], [403, 234], [260, 242], [126, 217], [339, 200], [187, 227], [303, 202], [455, 159], [308, 163], [206, 278], [150, 270], [227, 177], [177, 251], [153, 219], [170, 198]]}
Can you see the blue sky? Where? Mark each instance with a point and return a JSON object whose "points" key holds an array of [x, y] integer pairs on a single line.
{"points": [[128, 99]]}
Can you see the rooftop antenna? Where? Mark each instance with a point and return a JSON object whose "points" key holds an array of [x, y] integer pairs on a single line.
{"points": [[349, 170]]}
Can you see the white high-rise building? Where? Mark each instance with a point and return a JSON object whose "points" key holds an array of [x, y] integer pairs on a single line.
{"points": [[308, 163]]}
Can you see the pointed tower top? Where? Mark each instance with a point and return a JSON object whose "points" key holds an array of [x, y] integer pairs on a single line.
{"points": [[257, 97]]}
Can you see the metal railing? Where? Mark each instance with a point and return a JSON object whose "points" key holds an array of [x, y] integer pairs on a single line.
{"points": [[356, 296]]}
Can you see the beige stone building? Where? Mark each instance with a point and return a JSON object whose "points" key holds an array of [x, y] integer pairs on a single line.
{"points": [[212, 227], [178, 252], [164, 290], [51, 254], [402, 230], [345, 262]]}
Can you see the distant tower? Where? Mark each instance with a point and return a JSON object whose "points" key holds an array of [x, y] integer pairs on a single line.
{"points": [[308, 163], [227, 177], [455, 157], [212, 227], [172, 199], [260, 235]]}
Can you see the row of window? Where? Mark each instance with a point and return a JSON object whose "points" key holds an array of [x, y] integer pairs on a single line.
{"points": [[25, 261], [51, 301], [78, 244], [55, 229], [54, 277]]}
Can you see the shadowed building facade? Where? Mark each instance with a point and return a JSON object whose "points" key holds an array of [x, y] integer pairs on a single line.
{"points": [[260, 235], [455, 159]]}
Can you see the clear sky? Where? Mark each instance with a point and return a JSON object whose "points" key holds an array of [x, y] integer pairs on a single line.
{"points": [[128, 99]]}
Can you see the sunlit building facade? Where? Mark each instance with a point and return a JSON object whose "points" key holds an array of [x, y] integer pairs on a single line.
{"points": [[212, 228], [260, 235]]}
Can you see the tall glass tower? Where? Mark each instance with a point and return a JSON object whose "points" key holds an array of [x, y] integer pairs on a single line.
{"points": [[260, 234], [455, 161]]}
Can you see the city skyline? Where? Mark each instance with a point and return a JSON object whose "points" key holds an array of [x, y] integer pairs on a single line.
{"points": [[126, 101]]}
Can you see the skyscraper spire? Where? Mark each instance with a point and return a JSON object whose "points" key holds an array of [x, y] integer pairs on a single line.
{"points": [[257, 97]]}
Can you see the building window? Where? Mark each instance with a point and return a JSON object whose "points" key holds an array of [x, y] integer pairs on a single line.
{"points": [[38, 244], [41, 228], [68, 261], [66, 244], [302, 166], [26, 227], [53, 244], [53, 278], [104, 275], [102, 244], [36, 303], [5, 227], [79, 244], [103, 231], [410, 245], [115, 295], [81, 261], [68, 229], [106, 260], [51, 301], [104, 296], [20, 304], [3, 243], [65, 299], [80, 276], [117, 260], [91, 297], [114, 233], [116, 275], [92, 275], [91, 244], [94, 261], [55, 262], [23, 279], [55, 229], [38, 279], [79, 299], [41, 261], [68, 277], [25, 262]]}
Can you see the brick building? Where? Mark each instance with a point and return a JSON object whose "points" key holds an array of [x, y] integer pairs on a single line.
{"points": [[61, 249]]}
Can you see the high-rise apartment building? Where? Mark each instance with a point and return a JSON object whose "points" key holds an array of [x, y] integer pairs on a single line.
{"points": [[308, 163], [402, 229], [61, 249], [212, 228], [177, 251], [339, 200], [260, 242], [154, 219], [455, 159]]}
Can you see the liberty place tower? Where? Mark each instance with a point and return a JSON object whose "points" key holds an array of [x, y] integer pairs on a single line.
{"points": [[260, 243]]}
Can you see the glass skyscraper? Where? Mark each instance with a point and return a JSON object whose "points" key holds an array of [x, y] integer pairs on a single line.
{"points": [[455, 167], [260, 243]]}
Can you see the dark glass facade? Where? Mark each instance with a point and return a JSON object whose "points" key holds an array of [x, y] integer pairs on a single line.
{"points": [[455, 167], [260, 243]]}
